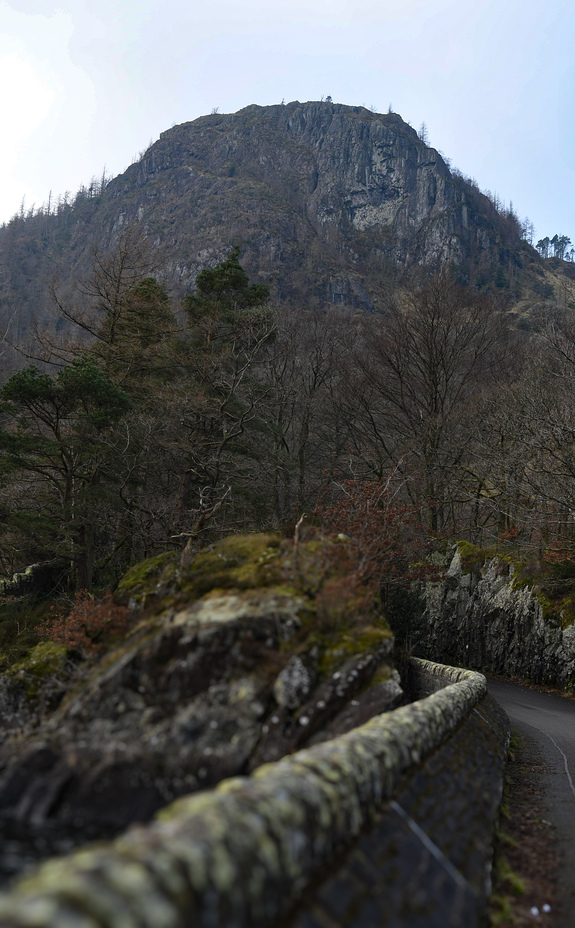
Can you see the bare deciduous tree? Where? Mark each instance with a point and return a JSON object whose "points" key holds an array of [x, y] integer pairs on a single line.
{"points": [[418, 373]]}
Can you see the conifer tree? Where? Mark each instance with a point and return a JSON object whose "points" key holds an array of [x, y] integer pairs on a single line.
{"points": [[55, 440]]}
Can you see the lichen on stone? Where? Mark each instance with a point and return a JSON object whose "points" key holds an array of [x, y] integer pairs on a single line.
{"points": [[253, 844], [293, 684]]}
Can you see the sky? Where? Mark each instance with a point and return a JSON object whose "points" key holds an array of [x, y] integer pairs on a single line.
{"points": [[87, 84]]}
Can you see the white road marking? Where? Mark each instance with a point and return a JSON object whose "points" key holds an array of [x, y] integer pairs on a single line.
{"points": [[564, 761]]}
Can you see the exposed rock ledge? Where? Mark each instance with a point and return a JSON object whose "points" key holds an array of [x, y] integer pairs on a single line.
{"points": [[489, 621]]}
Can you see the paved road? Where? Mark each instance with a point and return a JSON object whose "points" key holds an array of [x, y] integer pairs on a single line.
{"points": [[550, 720]]}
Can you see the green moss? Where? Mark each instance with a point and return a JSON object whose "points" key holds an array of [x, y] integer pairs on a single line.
{"points": [[143, 579], [20, 621], [473, 557], [241, 562], [44, 659], [372, 638], [509, 877], [336, 647], [381, 675], [337, 615]]}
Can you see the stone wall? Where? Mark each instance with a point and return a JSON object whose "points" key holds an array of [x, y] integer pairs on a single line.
{"points": [[245, 853], [487, 621], [426, 860]]}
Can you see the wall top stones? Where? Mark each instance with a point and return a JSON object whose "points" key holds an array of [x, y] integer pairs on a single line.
{"points": [[240, 854], [427, 859]]}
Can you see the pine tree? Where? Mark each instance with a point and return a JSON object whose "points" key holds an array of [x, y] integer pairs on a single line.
{"points": [[57, 443]]}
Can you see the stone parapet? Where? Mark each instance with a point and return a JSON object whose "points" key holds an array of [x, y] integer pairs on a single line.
{"points": [[244, 853], [425, 862]]}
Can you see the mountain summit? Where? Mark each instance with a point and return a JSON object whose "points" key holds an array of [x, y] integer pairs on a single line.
{"points": [[325, 200], [319, 193]]}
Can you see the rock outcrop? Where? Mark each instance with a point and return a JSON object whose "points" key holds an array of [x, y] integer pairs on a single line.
{"points": [[235, 661], [325, 200], [488, 620]]}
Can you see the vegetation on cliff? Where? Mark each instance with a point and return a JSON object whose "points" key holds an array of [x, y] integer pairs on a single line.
{"points": [[548, 573]]}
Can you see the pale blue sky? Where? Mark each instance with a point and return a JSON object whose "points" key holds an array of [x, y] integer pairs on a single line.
{"points": [[88, 83]]}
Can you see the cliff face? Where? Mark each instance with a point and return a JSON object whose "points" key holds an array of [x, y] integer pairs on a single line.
{"points": [[303, 184], [324, 199], [487, 621]]}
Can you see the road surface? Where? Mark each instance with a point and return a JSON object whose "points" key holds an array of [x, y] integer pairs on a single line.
{"points": [[549, 719]]}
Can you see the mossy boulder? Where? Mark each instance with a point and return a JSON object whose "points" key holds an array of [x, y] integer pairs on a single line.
{"points": [[32, 688], [147, 578], [258, 647]]}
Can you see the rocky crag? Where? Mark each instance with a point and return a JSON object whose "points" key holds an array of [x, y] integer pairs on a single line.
{"points": [[488, 618], [325, 200], [257, 649]]}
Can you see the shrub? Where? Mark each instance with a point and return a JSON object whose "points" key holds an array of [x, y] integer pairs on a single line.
{"points": [[387, 534], [90, 626]]}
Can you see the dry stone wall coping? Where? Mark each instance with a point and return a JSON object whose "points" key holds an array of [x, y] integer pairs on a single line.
{"points": [[426, 860], [241, 854]]}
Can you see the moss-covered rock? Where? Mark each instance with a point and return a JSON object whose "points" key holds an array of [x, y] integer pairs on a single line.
{"points": [[550, 580], [21, 623], [208, 683], [32, 688], [144, 579], [44, 659]]}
